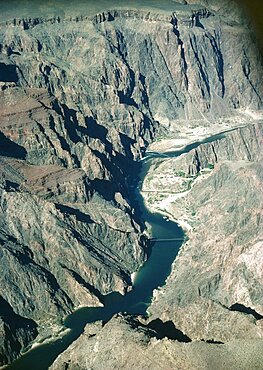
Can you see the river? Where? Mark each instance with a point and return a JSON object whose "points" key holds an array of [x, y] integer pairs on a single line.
{"points": [[150, 276]]}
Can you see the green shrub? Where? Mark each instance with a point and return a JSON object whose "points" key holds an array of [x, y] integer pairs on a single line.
{"points": [[180, 173]]}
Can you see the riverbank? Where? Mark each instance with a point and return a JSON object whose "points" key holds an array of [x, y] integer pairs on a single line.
{"points": [[190, 132], [207, 282]]}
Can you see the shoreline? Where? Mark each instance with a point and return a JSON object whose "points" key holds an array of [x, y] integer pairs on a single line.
{"points": [[190, 136]]}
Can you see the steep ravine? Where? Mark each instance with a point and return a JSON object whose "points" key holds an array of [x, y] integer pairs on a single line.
{"points": [[217, 278], [83, 93], [191, 323], [150, 276], [68, 234]]}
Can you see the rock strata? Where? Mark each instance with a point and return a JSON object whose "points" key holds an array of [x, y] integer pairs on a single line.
{"points": [[82, 96]]}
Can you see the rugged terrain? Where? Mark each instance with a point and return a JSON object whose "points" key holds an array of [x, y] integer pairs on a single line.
{"points": [[82, 96], [154, 349], [216, 193], [209, 315]]}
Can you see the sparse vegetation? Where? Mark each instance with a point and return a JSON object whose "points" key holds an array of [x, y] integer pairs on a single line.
{"points": [[180, 173], [210, 166], [187, 184], [150, 178]]}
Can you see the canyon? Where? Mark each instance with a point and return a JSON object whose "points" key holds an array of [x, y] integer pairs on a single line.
{"points": [[87, 94]]}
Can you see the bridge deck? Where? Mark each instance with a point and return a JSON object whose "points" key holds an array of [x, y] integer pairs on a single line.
{"points": [[167, 240]]}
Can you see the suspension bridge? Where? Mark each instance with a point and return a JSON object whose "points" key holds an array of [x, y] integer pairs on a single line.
{"points": [[167, 240]]}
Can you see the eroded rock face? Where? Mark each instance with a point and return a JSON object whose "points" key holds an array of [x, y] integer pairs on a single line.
{"points": [[215, 289], [80, 97], [134, 346], [63, 226], [155, 62], [16, 332], [244, 143]]}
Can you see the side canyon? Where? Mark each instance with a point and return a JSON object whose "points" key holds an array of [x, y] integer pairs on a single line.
{"points": [[87, 94]]}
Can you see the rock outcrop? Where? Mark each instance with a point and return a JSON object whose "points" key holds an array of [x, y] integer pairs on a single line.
{"points": [[215, 289], [68, 236], [153, 349], [81, 97], [16, 332]]}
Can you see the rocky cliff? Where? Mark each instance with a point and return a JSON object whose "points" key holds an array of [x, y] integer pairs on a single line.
{"points": [[215, 289], [68, 235], [81, 96], [244, 143], [155, 348], [209, 313]]}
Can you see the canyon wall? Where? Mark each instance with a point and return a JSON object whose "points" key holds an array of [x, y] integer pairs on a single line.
{"points": [[81, 97], [214, 291]]}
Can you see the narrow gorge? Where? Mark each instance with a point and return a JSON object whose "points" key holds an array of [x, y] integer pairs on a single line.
{"points": [[118, 122]]}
